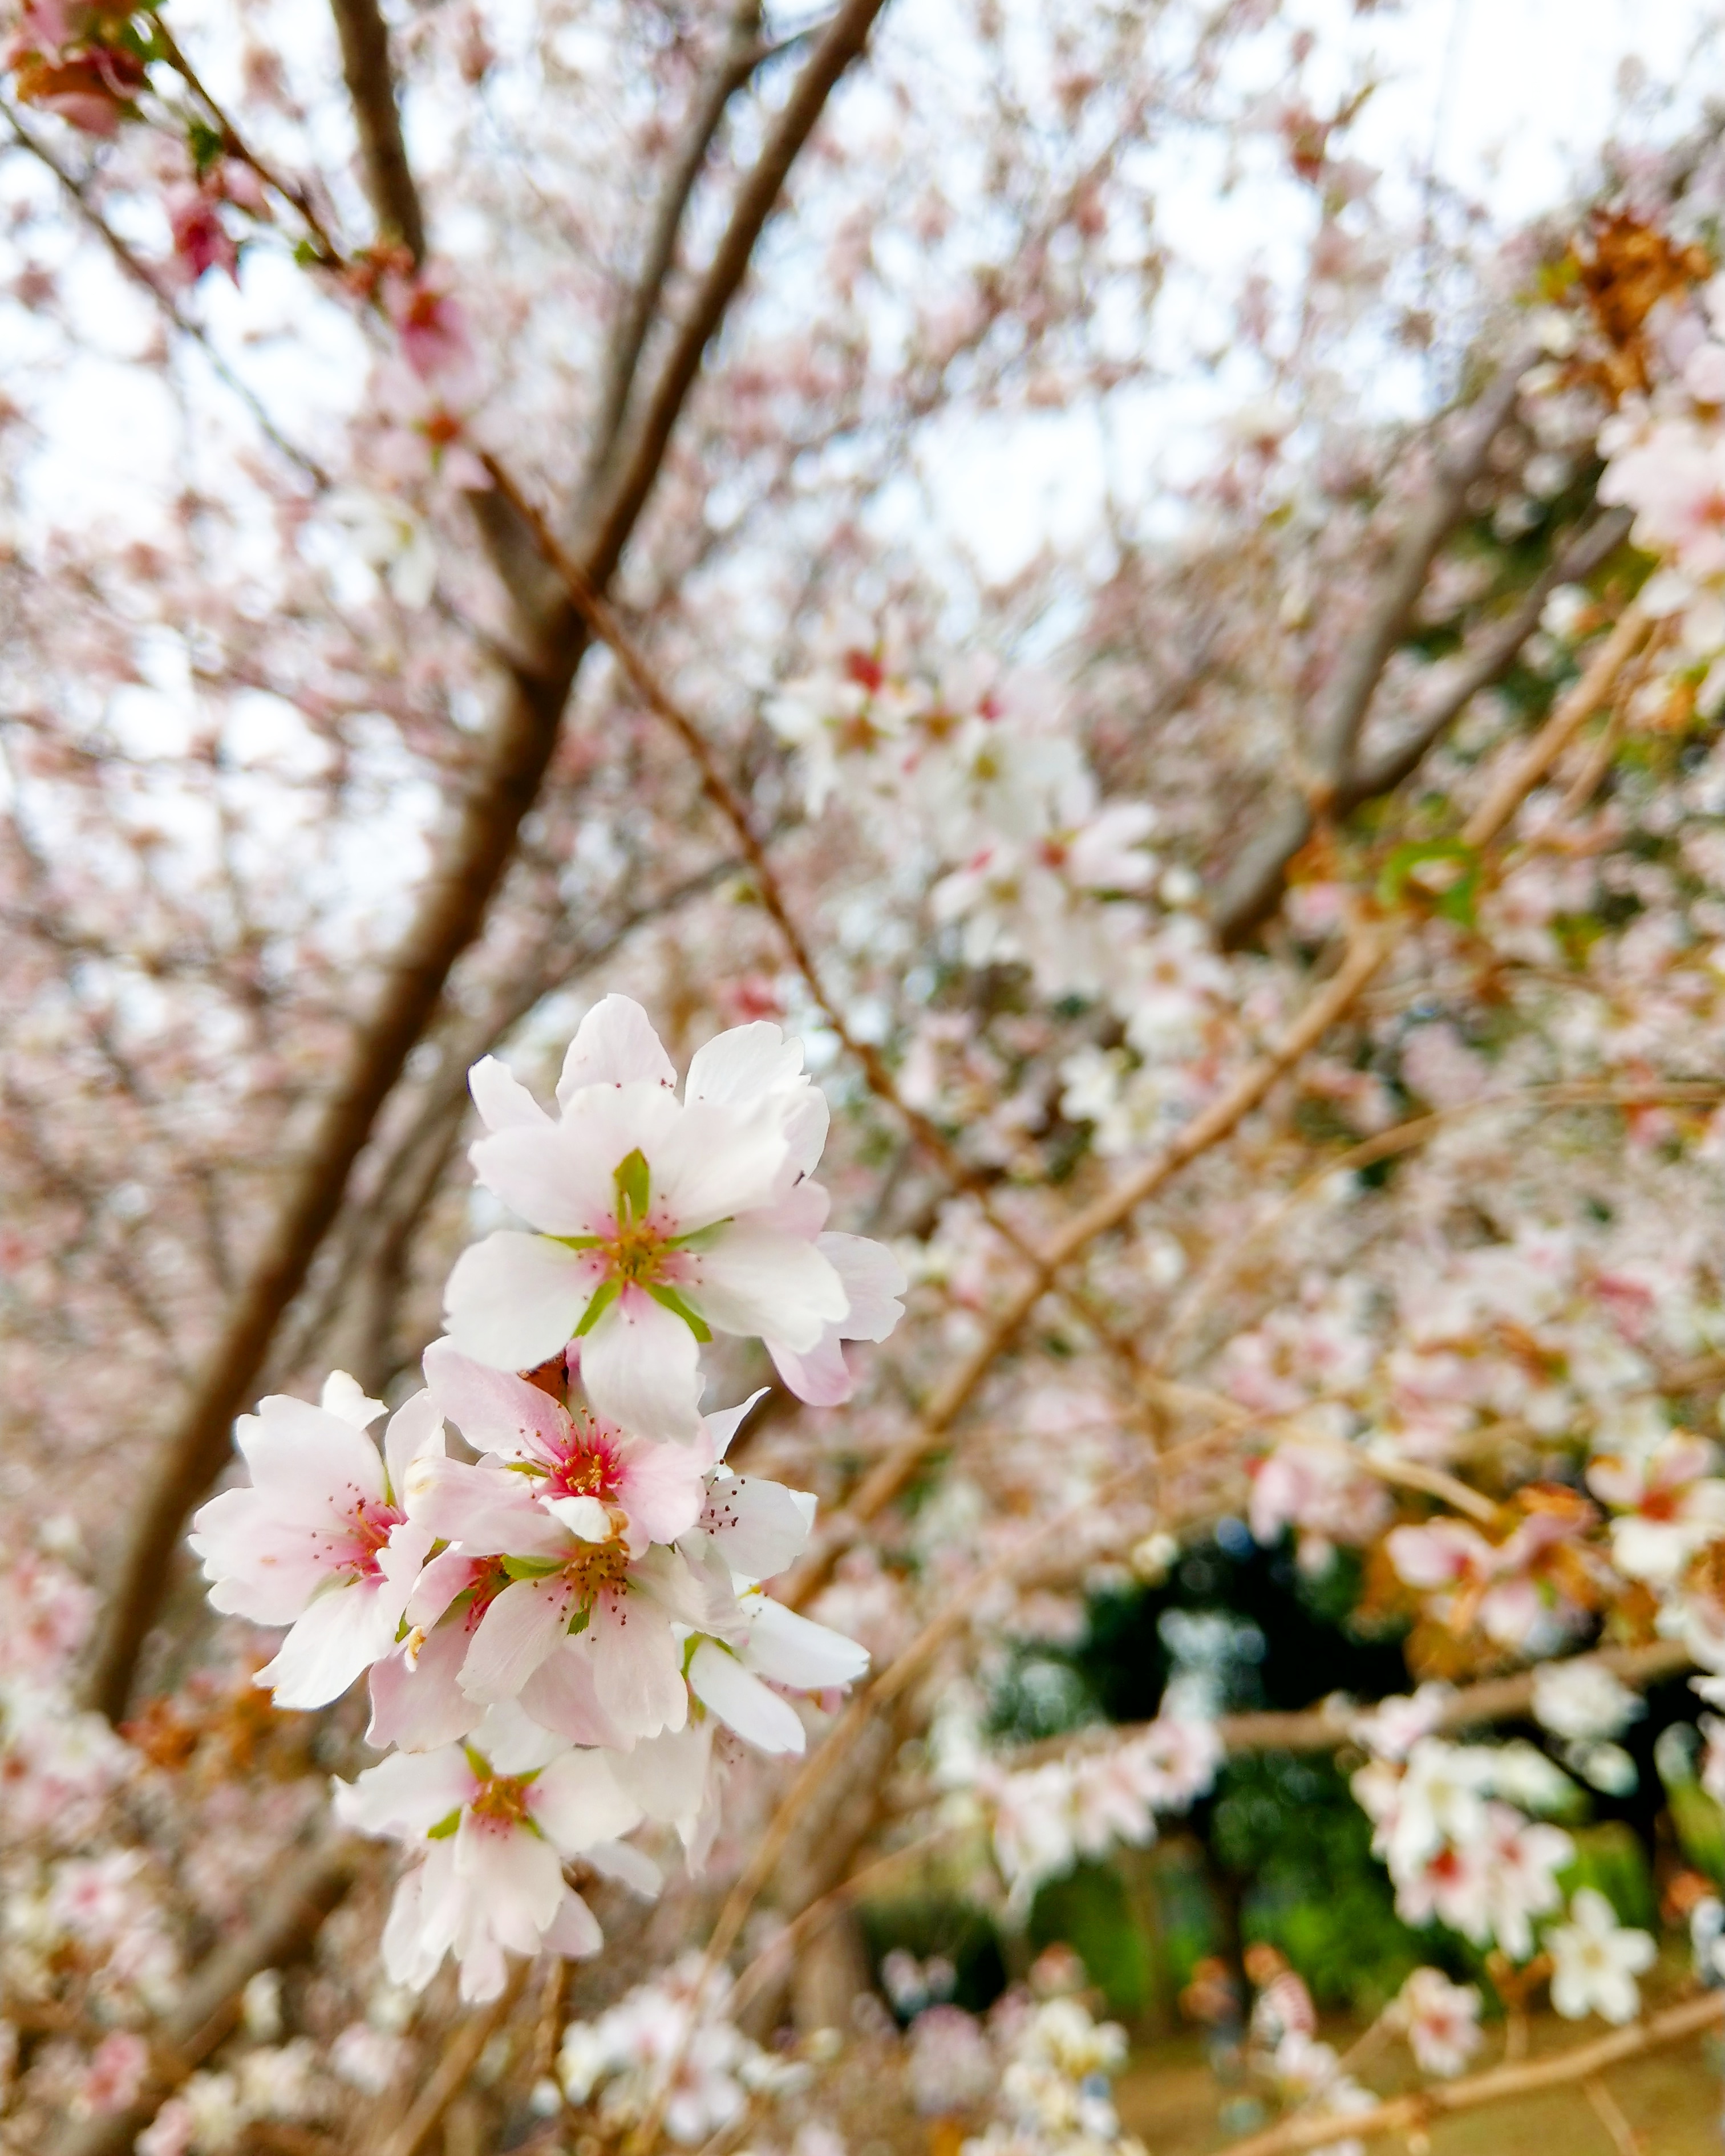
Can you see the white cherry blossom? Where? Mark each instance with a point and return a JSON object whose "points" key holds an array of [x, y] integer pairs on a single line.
{"points": [[1595, 1961], [320, 1539], [659, 1220], [494, 1820]]}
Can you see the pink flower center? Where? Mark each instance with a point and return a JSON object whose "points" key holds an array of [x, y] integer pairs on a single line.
{"points": [[592, 1467]]}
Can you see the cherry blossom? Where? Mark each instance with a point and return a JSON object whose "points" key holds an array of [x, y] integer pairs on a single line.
{"points": [[658, 1218], [494, 1821], [1441, 2021], [320, 1540], [1595, 1961]]}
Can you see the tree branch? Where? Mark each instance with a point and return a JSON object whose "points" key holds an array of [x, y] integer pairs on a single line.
{"points": [[1409, 2114], [1253, 888], [383, 155], [741, 55], [842, 42]]}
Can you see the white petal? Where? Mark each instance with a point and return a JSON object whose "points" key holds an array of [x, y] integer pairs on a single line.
{"points": [[513, 1742], [577, 1802], [638, 1673], [667, 1775], [642, 1368], [757, 1527], [873, 1281], [712, 1162], [724, 1423], [503, 1101], [515, 1636], [514, 1301], [614, 1044], [574, 1931], [514, 1877], [742, 1703], [623, 1862], [794, 1650], [407, 1794], [344, 1398], [490, 1511], [821, 1376], [415, 1430], [342, 1633], [555, 1175], [756, 1281], [741, 1064], [495, 1410], [409, 1956], [563, 1696], [307, 1456], [662, 1487], [584, 1517]]}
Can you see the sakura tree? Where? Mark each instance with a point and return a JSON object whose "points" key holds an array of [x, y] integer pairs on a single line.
{"points": [[656, 1123]]}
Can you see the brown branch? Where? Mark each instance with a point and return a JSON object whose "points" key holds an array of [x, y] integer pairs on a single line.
{"points": [[461, 2057], [1412, 2114], [1254, 887], [842, 43], [208, 2011], [1322, 1728], [743, 54], [383, 155]]}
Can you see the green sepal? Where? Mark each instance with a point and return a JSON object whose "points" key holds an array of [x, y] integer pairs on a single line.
{"points": [[531, 1568], [672, 1301], [635, 1185], [603, 1296], [444, 1827], [580, 1621], [524, 1467]]}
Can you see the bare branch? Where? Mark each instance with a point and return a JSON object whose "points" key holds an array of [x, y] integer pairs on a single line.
{"points": [[842, 43], [742, 54], [371, 85], [1409, 2114]]}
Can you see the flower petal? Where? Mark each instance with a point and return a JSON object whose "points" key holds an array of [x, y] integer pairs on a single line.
{"points": [[345, 1398], [577, 1802], [874, 1282], [712, 1162], [556, 1176], [756, 1527], [405, 1794], [421, 1706], [515, 1636], [642, 1368], [513, 1300], [662, 1487], [794, 1650], [614, 1044], [344, 1632], [742, 1703], [415, 1430], [574, 1931], [561, 1695], [504, 1103], [756, 1281], [638, 1674], [495, 1411]]}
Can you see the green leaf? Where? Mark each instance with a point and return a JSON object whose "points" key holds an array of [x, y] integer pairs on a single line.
{"points": [[531, 1568], [1444, 874], [603, 1297], [444, 1827], [672, 1301], [308, 254], [635, 1183]]}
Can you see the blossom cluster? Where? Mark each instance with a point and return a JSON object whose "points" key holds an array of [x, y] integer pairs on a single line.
{"points": [[1085, 1803], [566, 1632]]}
